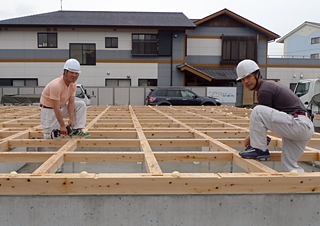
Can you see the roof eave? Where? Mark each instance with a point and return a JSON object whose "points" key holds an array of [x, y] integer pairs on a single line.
{"points": [[281, 40], [99, 26], [271, 35], [196, 72]]}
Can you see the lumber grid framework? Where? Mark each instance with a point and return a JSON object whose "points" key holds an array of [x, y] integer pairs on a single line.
{"points": [[220, 129]]}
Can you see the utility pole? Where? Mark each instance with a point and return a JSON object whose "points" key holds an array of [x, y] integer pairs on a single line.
{"points": [[61, 5]]}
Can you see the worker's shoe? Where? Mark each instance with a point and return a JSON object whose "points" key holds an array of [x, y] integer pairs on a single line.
{"points": [[255, 153], [250, 147], [247, 148], [80, 133]]}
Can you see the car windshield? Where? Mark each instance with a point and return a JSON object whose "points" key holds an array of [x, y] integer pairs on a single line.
{"points": [[186, 93], [79, 92], [302, 89]]}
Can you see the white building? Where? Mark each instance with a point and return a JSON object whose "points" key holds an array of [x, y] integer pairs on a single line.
{"points": [[302, 42]]}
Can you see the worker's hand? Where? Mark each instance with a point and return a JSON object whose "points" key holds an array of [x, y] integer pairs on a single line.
{"points": [[247, 141], [63, 130], [71, 123]]}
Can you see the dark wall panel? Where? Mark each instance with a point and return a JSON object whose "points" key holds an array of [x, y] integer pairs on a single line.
{"points": [[165, 43]]}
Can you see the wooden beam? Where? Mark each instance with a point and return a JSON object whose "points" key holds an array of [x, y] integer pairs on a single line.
{"points": [[151, 163], [55, 161], [184, 183]]}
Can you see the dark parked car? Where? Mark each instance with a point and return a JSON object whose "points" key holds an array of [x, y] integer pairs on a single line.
{"points": [[178, 97]]}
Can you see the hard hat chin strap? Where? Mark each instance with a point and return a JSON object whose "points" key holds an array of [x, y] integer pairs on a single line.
{"points": [[257, 78]]}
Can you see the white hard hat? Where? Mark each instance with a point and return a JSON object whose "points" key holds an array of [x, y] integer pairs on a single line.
{"points": [[245, 68], [72, 65]]}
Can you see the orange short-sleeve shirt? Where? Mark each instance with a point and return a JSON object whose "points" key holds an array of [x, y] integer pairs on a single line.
{"points": [[57, 90]]}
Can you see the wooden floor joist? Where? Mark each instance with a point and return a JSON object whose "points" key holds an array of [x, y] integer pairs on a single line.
{"points": [[146, 150]]}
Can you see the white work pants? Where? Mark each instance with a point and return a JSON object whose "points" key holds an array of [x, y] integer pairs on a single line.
{"points": [[49, 121], [295, 133]]}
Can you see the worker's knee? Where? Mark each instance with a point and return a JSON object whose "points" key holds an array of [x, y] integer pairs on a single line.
{"points": [[261, 109], [79, 104]]}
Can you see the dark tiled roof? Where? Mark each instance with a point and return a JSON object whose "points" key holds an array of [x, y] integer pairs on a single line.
{"points": [[219, 73], [213, 72], [103, 18]]}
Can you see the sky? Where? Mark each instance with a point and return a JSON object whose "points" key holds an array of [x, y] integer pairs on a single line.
{"points": [[278, 16]]}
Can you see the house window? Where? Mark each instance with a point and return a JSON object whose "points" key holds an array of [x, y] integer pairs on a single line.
{"points": [[18, 82], [47, 40], [315, 40], [111, 42], [235, 49], [147, 82], [314, 56], [144, 44], [118, 82], [83, 52]]}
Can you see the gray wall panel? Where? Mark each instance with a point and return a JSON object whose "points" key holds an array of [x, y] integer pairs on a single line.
{"points": [[105, 96], [10, 90], [164, 74], [137, 96], [177, 77], [34, 53], [64, 53], [12, 54], [26, 90], [199, 90], [121, 96], [38, 90], [60, 54]]}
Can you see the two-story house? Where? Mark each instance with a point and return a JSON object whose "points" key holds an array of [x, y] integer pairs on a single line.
{"points": [[131, 48], [114, 48]]}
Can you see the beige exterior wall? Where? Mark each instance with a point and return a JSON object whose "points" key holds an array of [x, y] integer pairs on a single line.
{"points": [[27, 38], [204, 47], [45, 72], [90, 75]]}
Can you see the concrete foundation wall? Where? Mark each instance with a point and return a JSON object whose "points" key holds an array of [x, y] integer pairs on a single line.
{"points": [[161, 210]]}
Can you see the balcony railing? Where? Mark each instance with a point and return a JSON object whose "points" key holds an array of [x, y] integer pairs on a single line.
{"points": [[293, 56]]}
